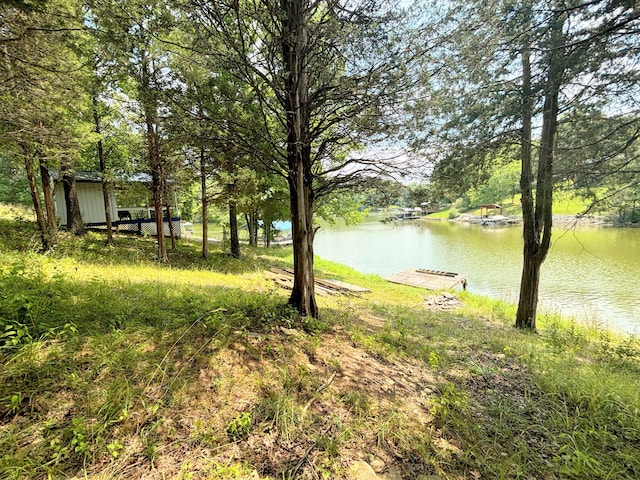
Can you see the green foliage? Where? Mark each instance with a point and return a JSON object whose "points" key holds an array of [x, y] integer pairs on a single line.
{"points": [[20, 313], [569, 201], [434, 360], [461, 204], [418, 195], [598, 158], [563, 337], [313, 325], [450, 401], [382, 193], [358, 403], [240, 426], [12, 403], [620, 353], [78, 435], [14, 188], [279, 411], [187, 209], [502, 183], [345, 206], [115, 448]]}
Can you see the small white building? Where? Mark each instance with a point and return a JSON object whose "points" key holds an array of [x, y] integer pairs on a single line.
{"points": [[89, 188], [90, 198]]}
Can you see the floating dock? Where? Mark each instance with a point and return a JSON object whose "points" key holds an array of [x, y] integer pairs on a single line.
{"points": [[429, 279]]}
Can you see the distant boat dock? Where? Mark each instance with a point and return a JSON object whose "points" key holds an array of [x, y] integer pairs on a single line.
{"points": [[429, 279]]}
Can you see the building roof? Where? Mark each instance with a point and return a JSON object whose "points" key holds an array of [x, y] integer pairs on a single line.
{"points": [[96, 177]]}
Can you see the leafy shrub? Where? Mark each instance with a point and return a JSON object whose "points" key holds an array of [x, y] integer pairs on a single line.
{"points": [[461, 204], [240, 426]]}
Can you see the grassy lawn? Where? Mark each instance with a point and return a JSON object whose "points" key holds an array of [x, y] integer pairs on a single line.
{"points": [[214, 232], [112, 366]]}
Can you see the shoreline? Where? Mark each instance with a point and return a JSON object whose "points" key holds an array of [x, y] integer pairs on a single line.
{"points": [[565, 221]]}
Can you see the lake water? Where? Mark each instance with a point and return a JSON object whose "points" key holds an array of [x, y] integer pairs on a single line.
{"points": [[591, 274]]}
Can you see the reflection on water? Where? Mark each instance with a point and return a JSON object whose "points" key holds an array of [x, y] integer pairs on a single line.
{"points": [[591, 274]]}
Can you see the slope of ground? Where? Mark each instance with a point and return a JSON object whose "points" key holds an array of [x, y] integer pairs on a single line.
{"points": [[112, 366]]}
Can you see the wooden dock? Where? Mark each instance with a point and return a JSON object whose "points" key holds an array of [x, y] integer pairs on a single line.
{"points": [[429, 279], [284, 278]]}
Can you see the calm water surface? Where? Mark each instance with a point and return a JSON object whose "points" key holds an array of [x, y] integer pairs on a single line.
{"points": [[590, 274]]}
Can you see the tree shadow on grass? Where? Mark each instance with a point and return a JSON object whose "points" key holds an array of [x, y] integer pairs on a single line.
{"points": [[99, 362]]}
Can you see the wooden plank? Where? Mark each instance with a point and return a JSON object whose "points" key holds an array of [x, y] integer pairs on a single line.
{"points": [[345, 286], [436, 272], [323, 286]]}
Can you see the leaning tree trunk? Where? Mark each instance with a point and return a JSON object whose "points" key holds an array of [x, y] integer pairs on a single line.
{"points": [[300, 176], [35, 197], [75, 224], [537, 222], [49, 204]]}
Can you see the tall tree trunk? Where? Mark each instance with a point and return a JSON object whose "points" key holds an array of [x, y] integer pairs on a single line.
{"points": [[156, 190], [233, 228], [172, 233], [294, 50], [527, 303], [150, 109], [303, 292], [252, 226], [103, 173], [537, 222], [49, 204], [75, 224], [247, 221], [205, 204], [256, 227], [105, 196], [268, 233], [35, 197]]}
